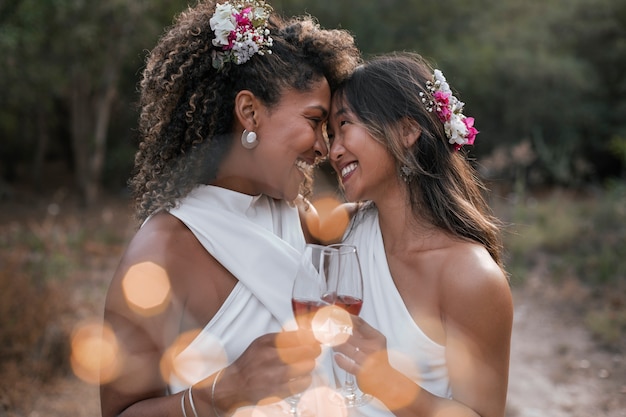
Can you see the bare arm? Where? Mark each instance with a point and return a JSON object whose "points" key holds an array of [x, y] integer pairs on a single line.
{"points": [[165, 251], [478, 314]]}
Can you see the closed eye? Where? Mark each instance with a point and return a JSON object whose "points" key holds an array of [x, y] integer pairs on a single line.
{"points": [[316, 121]]}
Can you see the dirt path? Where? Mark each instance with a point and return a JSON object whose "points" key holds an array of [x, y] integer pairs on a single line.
{"points": [[556, 369]]}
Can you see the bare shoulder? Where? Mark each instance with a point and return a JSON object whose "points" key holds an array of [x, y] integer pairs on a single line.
{"points": [[470, 266], [165, 252], [161, 237], [156, 252], [163, 242], [474, 287]]}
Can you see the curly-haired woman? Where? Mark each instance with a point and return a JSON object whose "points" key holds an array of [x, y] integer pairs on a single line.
{"points": [[436, 320], [233, 103]]}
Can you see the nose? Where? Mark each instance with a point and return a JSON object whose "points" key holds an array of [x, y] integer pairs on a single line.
{"points": [[336, 150], [320, 148]]}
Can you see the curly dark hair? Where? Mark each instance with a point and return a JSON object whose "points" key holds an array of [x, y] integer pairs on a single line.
{"points": [[442, 184], [187, 116]]}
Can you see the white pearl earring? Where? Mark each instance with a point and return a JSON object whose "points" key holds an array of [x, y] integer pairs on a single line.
{"points": [[249, 140]]}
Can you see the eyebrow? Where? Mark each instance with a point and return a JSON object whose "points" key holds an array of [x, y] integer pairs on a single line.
{"points": [[341, 111], [321, 108]]}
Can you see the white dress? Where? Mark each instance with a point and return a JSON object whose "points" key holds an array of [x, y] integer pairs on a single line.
{"points": [[410, 350], [259, 240]]}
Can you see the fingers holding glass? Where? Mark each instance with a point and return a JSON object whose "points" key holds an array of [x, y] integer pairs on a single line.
{"points": [[311, 292], [345, 270]]}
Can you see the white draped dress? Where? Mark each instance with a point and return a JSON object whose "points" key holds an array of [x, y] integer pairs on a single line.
{"points": [[410, 350], [259, 240]]}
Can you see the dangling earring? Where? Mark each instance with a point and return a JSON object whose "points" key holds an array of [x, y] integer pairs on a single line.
{"points": [[249, 140], [405, 173]]}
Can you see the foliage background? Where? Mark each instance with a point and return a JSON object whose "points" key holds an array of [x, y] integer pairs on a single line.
{"points": [[546, 81], [552, 74]]}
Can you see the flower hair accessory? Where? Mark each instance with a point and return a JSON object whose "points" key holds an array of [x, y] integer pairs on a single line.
{"points": [[459, 129], [241, 31]]}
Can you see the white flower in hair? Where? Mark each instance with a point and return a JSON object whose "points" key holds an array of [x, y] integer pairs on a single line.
{"points": [[441, 81], [261, 13], [241, 31], [456, 130], [223, 24], [245, 50]]}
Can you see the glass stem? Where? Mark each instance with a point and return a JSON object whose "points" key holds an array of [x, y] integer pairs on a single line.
{"points": [[293, 405], [350, 388]]}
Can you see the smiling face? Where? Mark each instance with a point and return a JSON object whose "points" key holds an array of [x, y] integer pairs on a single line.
{"points": [[365, 168], [291, 139]]}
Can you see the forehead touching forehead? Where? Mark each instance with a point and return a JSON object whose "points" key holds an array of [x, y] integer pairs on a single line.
{"points": [[315, 95], [339, 104], [300, 86], [343, 110]]}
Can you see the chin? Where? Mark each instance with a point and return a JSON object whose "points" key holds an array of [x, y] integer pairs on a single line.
{"points": [[352, 197], [288, 194], [291, 195]]}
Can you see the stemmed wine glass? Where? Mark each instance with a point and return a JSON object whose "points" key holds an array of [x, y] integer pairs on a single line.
{"points": [[312, 290], [345, 266]]}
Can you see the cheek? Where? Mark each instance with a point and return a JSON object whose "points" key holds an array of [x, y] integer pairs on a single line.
{"points": [[302, 138], [379, 158]]}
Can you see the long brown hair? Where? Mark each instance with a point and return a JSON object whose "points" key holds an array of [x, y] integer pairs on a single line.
{"points": [[442, 185]]}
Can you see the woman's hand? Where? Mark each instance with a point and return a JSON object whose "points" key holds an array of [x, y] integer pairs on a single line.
{"points": [[275, 365], [364, 354]]}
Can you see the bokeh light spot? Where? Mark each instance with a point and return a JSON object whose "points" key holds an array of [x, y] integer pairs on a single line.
{"points": [[95, 352], [271, 406], [331, 325], [190, 363], [369, 380], [322, 401], [147, 288], [331, 222]]}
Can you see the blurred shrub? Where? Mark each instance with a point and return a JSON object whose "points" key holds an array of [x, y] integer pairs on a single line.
{"points": [[574, 236], [33, 346], [608, 324], [54, 263]]}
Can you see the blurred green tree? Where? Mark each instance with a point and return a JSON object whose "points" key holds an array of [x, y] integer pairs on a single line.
{"points": [[63, 60], [546, 73]]}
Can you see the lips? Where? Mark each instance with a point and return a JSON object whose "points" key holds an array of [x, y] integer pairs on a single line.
{"points": [[303, 165], [347, 170]]}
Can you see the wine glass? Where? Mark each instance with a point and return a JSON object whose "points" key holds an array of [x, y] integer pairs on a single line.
{"points": [[349, 296], [311, 291]]}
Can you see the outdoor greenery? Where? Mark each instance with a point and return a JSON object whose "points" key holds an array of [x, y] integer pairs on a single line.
{"points": [[565, 236], [549, 73]]}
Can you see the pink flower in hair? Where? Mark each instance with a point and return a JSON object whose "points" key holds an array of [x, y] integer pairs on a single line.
{"points": [[471, 130], [459, 129]]}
